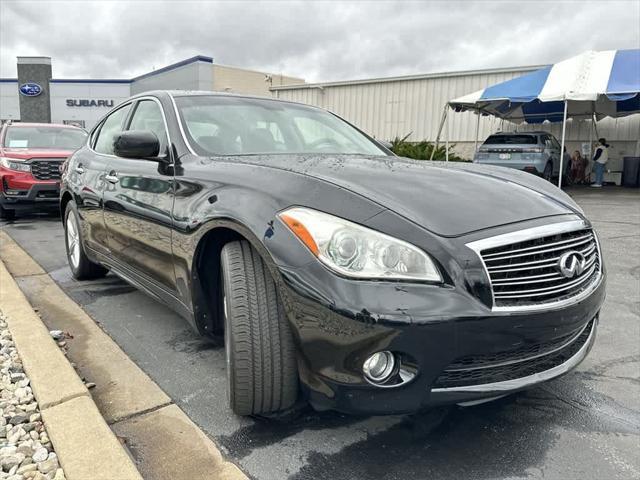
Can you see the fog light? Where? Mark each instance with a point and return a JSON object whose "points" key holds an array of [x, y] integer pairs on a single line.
{"points": [[379, 366]]}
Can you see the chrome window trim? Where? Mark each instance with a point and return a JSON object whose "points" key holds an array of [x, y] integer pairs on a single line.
{"points": [[529, 234], [530, 380], [184, 136]]}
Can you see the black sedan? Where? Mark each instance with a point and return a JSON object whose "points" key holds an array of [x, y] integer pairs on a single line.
{"points": [[336, 273]]}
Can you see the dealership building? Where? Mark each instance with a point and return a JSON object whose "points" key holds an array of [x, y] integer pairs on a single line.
{"points": [[386, 108], [37, 96]]}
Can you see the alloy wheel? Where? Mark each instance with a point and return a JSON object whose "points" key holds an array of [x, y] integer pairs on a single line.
{"points": [[73, 240]]}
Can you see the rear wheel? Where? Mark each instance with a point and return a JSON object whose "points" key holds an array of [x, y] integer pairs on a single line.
{"points": [[81, 267], [7, 214], [261, 366], [548, 172]]}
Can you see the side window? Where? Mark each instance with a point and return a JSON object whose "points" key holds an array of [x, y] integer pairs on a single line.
{"points": [[148, 116], [111, 126]]}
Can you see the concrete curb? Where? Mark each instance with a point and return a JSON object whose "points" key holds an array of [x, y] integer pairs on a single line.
{"points": [[85, 445], [132, 404]]}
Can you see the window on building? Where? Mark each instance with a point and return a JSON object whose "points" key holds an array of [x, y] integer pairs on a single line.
{"points": [[148, 116], [110, 127]]}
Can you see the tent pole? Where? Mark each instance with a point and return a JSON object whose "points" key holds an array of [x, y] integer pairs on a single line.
{"points": [[446, 152], [564, 127], [444, 114], [591, 125], [475, 144]]}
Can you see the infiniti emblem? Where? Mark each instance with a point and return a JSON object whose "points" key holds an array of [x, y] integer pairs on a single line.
{"points": [[571, 264]]}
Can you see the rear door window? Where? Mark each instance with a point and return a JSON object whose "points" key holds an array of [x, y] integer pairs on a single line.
{"points": [[511, 140]]}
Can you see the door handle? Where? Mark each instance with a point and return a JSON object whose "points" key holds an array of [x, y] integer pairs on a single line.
{"points": [[79, 169], [112, 178]]}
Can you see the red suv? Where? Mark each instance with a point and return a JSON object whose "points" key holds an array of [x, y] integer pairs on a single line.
{"points": [[30, 158]]}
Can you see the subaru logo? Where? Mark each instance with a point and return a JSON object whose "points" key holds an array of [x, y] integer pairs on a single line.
{"points": [[30, 89], [571, 264]]}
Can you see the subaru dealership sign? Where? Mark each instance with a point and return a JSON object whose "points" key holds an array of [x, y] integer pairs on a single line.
{"points": [[85, 102], [30, 89]]}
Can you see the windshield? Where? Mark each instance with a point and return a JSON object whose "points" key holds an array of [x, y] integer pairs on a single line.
{"points": [[219, 125], [511, 140], [44, 137]]}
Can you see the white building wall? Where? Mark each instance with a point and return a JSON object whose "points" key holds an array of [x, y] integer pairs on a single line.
{"points": [[390, 108], [60, 92], [9, 101], [240, 80], [193, 76]]}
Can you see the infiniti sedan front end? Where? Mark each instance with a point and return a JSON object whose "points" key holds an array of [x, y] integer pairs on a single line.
{"points": [[510, 310], [334, 271]]}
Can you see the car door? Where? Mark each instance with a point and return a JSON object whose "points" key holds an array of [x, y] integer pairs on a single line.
{"points": [[86, 178], [138, 200]]}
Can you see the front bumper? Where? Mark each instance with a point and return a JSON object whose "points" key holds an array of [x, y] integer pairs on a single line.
{"points": [[20, 191], [434, 326]]}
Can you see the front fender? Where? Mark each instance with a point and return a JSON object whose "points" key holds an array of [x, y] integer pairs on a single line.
{"points": [[245, 200]]}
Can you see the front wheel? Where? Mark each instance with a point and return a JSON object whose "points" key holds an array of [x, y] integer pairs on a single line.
{"points": [[262, 374], [81, 267]]}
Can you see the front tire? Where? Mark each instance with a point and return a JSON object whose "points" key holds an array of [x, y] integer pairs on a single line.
{"points": [[81, 267], [261, 365]]}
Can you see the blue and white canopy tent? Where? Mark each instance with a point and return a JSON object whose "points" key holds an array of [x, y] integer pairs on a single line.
{"points": [[592, 85]]}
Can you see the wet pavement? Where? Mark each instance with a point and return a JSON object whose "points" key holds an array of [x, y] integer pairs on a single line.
{"points": [[585, 425]]}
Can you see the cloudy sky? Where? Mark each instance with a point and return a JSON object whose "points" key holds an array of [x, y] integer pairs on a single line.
{"points": [[318, 41]]}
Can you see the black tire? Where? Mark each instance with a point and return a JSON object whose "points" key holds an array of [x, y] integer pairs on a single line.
{"points": [[262, 374], [83, 268], [548, 172], [7, 214]]}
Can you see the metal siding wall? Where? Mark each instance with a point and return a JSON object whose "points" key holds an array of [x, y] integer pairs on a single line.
{"points": [[396, 108], [387, 109]]}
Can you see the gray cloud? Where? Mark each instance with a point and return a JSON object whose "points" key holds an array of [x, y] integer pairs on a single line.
{"points": [[314, 40]]}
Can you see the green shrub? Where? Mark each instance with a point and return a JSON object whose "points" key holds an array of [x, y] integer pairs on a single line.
{"points": [[422, 150]]}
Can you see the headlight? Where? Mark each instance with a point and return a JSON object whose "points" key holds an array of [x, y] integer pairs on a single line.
{"points": [[356, 251], [12, 165]]}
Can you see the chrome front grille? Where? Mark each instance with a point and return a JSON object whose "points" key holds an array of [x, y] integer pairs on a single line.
{"points": [[525, 267], [46, 169]]}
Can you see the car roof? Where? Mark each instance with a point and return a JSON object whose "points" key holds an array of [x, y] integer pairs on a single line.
{"points": [[202, 93], [536, 132], [45, 125]]}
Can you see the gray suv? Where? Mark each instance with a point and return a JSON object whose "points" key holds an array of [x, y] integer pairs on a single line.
{"points": [[534, 152]]}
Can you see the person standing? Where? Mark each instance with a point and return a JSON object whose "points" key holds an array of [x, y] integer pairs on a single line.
{"points": [[577, 167], [600, 158]]}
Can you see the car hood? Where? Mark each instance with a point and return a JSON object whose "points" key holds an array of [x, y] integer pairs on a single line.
{"points": [[449, 199], [27, 153]]}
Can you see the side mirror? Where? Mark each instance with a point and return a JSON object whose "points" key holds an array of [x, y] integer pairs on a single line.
{"points": [[136, 144]]}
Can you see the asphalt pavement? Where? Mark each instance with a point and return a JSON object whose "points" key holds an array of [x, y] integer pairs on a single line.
{"points": [[585, 425]]}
